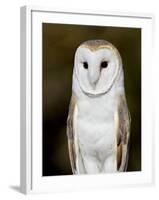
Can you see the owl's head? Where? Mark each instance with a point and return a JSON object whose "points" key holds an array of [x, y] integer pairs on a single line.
{"points": [[96, 66]]}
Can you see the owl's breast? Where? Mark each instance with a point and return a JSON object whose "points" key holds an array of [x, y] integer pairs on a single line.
{"points": [[95, 128]]}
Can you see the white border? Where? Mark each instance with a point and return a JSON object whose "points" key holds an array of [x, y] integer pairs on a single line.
{"points": [[31, 100]]}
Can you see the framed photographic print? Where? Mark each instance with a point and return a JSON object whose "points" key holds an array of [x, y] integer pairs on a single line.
{"points": [[86, 100]]}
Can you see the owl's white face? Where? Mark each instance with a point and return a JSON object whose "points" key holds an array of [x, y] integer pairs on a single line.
{"points": [[96, 70]]}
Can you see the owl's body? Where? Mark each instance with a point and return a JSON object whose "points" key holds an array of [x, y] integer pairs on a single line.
{"points": [[96, 131], [96, 144]]}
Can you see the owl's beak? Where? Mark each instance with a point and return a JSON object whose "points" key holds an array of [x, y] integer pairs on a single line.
{"points": [[93, 75]]}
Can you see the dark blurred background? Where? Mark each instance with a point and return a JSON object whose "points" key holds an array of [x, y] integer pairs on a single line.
{"points": [[59, 45]]}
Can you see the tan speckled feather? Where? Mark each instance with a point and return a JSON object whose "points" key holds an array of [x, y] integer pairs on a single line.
{"points": [[70, 134], [123, 134]]}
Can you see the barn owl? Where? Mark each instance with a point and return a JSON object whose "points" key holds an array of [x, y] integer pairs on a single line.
{"points": [[98, 123]]}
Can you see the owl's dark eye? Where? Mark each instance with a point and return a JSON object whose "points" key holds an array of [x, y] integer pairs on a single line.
{"points": [[104, 64], [85, 65]]}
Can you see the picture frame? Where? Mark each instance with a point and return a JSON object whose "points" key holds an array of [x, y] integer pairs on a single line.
{"points": [[32, 180]]}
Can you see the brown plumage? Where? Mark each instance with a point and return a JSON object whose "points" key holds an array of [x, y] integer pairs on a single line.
{"points": [[123, 134], [70, 135]]}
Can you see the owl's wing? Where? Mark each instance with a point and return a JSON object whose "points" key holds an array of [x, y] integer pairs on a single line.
{"points": [[71, 134], [123, 134]]}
